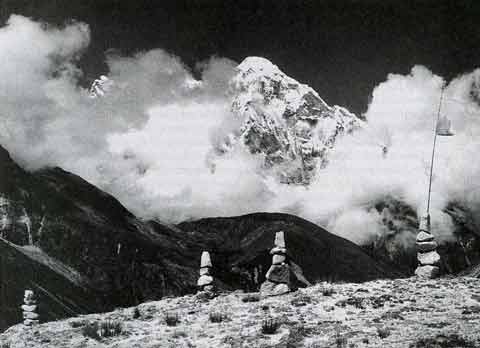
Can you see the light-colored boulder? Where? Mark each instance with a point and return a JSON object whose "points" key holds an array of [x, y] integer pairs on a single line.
{"points": [[430, 258], [279, 274], [424, 237], [280, 239], [30, 315], [208, 288], [205, 280], [278, 259], [424, 247], [277, 250], [30, 322], [204, 271], [424, 224], [205, 260], [29, 308], [271, 289], [427, 272], [28, 296]]}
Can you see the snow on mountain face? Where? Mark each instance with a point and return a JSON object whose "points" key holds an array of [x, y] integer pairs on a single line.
{"points": [[286, 121], [100, 86]]}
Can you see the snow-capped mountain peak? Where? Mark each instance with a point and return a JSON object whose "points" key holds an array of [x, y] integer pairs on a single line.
{"points": [[284, 120]]}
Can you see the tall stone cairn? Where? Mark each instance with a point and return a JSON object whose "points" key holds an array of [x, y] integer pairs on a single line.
{"points": [[278, 280], [205, 282], [428, 258], [29, 308]]}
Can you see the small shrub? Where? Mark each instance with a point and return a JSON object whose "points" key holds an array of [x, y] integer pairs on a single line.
{"points": [[443, 342], [383, 332], [297, 335], [270, 326], [301, 300], [251, 298], [340, 341], [5, 345], [136, 313], [171, 318], [327, 289], [217, 317], [91, 330], [110, 328], [357, 302]]}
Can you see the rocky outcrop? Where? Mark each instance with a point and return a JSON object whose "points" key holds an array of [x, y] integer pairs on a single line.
{"points": [[427, 255]]}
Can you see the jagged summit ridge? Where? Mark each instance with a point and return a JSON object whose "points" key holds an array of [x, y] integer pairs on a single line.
{"points": [[284, 120]]}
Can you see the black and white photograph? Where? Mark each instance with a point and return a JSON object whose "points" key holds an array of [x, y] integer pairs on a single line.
{"points": [[239, 174]]}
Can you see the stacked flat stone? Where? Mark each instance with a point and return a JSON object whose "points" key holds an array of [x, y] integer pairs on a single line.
{"points": [[205, 282], [278, 276], [29, 308], [427, 255]]}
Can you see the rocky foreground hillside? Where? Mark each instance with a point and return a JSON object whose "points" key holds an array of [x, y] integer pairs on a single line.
{"points": [[383, 313]]}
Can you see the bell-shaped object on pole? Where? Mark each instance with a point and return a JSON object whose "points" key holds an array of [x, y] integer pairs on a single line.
{"points": [[444, 126]]}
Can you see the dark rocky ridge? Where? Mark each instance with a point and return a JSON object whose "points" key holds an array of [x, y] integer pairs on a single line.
{"points": [[240, 245]]}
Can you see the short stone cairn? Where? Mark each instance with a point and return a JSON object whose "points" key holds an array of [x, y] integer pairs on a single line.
{"points": [[29, 308], [205, 282], [428, 258], [278, 276]]}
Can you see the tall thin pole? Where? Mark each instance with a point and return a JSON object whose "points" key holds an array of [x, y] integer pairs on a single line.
{"points": [[433, 152]]}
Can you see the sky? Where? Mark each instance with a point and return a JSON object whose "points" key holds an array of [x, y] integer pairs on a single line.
{"points": [[343, 49], [149, 141]]}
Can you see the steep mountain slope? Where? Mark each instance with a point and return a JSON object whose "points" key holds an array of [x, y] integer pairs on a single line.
{"points": [[55, 215], [60, 290]]}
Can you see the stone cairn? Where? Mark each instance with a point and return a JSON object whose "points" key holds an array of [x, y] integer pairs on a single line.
{"points": [[427, 255], [29, 308], [205, 282], [278, 276]]}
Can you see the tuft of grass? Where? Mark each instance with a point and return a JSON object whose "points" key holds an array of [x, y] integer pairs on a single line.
{"points": [[383, 332], [217, 317], [301, 300], [443, 341], [91, 330], [110, 328], [327, 289], [270, 326], [172, 318], [340, 341], [251, 298], [136, 313]]}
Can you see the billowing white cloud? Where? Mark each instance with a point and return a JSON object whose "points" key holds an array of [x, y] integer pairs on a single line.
{"points": [[148, 142]]}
